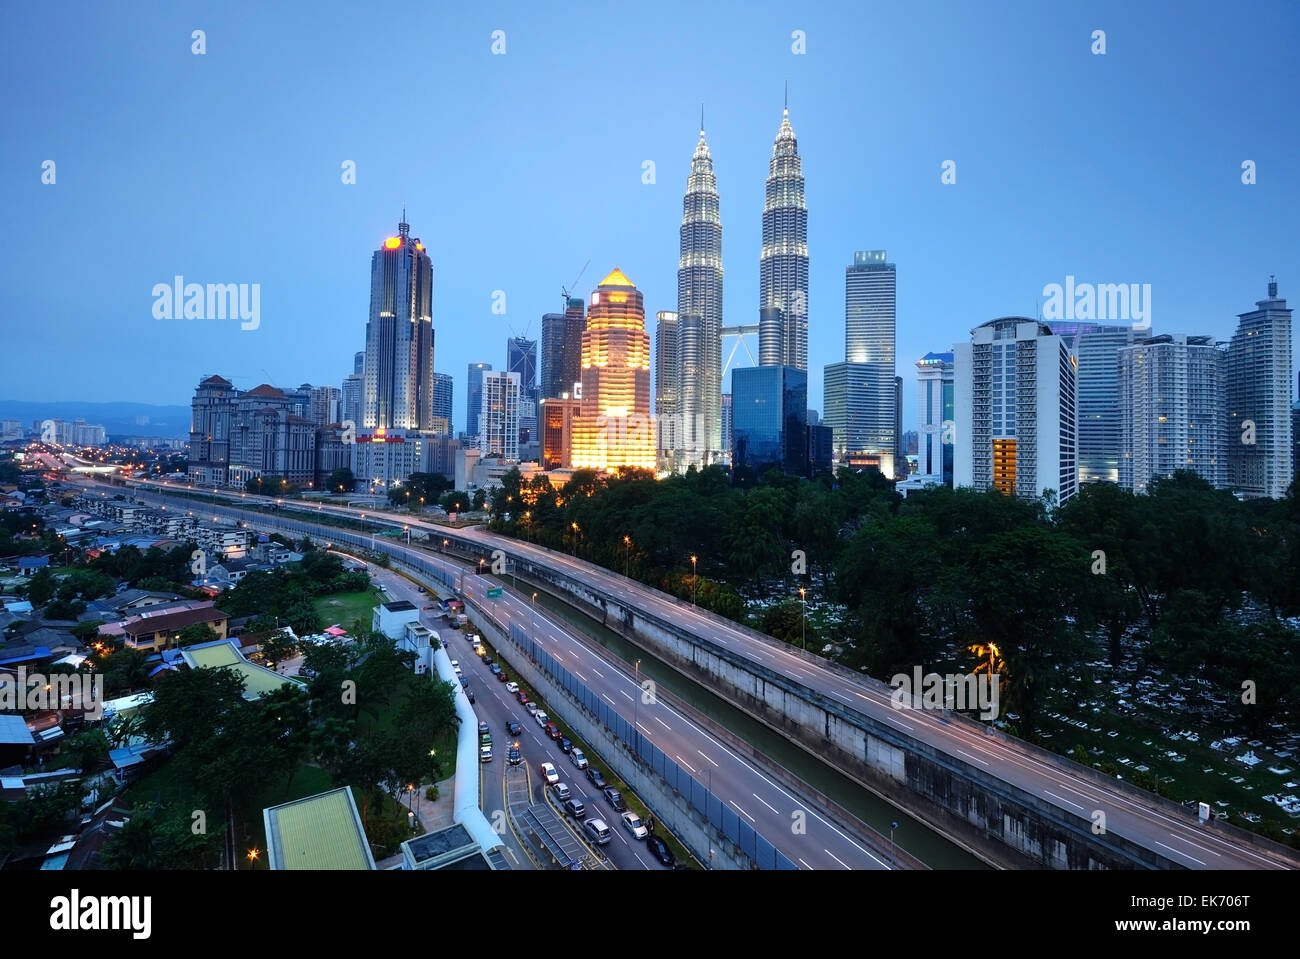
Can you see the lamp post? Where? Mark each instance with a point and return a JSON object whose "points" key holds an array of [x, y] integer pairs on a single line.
{"points": [[532, 618], [576, 530], [803, 618], [693, 559], [627, 554], [892, 827], [636, 703]]}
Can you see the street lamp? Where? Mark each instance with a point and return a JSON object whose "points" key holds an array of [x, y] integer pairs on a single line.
{"points": [[693, 559], [803, 618], [892, 827], [627, 554], [636, 703], [532, 617], [576, 531]]}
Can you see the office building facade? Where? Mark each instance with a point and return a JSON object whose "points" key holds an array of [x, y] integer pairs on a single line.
{"points": [[499, 414], [474, 397], [934, 445], [399, 336], [769, 419], [562, 348]]}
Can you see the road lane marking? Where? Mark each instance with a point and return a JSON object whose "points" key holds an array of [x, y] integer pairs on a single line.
{"points": [[806, 866], [663, 724], [639, 859], [643, 729], [1062, 799], [684, 763], [598, 672], [765, 803], [835, 857], [742, 812], [970, 756], [610, 701], [709, 758], [580, 676], [624, 692], [896, 722], [1178, 852]]}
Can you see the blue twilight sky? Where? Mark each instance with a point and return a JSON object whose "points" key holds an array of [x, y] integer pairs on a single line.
{"points": [[518, 168]]}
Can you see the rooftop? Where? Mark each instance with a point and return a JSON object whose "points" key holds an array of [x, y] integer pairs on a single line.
{"points": [[319, 832]]}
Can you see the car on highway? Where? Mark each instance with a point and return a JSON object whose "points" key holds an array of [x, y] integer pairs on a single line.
{"points": [[614, 798], [597, 779], [549, 774], [634, 825], [659, 849], [552, 730], [597, 831], [541, 718], [575, 808], [561, 791], [512, 755], [512, 687], [566, 744], [513, 727], [578, 758]]}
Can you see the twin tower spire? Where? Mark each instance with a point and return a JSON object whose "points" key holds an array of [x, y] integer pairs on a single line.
{"points": [[689, 391]]}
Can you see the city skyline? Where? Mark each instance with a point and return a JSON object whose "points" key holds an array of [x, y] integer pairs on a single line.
{"points": [[1001, 191]]}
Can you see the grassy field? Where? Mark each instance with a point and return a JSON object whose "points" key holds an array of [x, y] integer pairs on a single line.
{"points": [[344, 608]]}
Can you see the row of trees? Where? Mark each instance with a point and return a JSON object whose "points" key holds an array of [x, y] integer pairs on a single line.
{"points": [[1185, 577], [285, 596]]}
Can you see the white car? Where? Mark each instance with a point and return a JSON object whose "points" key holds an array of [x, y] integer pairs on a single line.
{"points": [[512, 687], [633, 823], [549, 774], [455, 667], [531, 707], [577, 758], [541, 718]]}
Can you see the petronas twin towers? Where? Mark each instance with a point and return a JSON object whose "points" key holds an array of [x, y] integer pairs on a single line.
{"points": [[689, 342]]}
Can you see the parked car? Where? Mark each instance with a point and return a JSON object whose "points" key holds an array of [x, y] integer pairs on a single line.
{"points": [[615, 799], [578, 758], [513, 727], [470, 694], [597, 779], [541, 718], [512, 687], [597, 831], [575, 808], [552, 730], [531, 707], [634, 825], [502, 677], [496, 670], [561, 791], [455, 667], [485, 754], [523, 699], [422, 589], [464, 682], [482, 728], [566, 745], [659, 849], [549, 774]]}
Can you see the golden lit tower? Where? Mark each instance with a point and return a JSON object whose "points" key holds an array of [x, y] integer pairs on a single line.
{"points": [[613, 427]]}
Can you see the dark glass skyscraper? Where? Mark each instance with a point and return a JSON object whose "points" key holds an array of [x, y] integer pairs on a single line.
{"points": [[783, 263], [699, 317], [562, 349], [474, 397], [442, 397], [398, 392], [521, 358], [769, 418]]}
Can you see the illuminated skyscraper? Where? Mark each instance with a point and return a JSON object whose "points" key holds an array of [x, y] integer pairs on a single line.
{"points": [[613, 427], [1258, 376], [398, 391], [699, 313], [783, 263], [668, 375]]}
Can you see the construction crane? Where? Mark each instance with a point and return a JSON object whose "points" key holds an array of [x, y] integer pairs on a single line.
{"points": [[565, 290]]}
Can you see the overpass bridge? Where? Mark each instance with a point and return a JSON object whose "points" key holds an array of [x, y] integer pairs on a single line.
{"points": [[1022, 805]]}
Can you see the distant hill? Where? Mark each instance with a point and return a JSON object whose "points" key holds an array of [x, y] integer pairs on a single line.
{"points": [[118, 419]]}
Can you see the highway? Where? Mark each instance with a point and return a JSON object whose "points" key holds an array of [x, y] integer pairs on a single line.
{"points": [[1177, 836]]}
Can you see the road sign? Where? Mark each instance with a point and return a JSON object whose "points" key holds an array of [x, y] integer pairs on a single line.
{"points": [[494, 592]]}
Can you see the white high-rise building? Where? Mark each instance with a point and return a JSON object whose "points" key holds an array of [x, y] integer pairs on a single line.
{"points": [[1171, 413], [934, 439], [498, 418], [1258, 386], [1014, 410]]}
